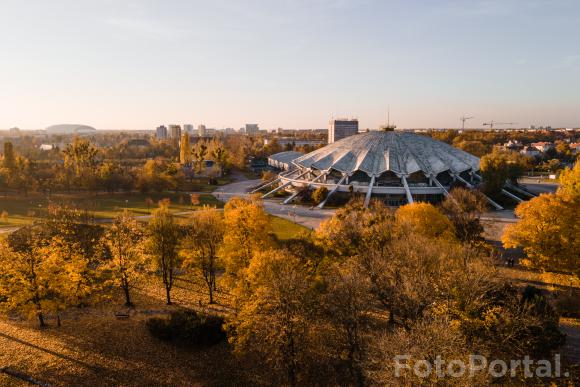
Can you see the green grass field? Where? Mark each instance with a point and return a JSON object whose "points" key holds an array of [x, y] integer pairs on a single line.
{"points": [[23, 210], [285, 229]]}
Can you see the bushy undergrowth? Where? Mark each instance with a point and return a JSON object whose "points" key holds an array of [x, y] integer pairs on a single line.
{"points": [[189, 328]]}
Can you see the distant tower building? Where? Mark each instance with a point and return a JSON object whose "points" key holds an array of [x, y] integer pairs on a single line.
{"points": [[188, 128], [201, 130], [341, 128], [175, 132], [161, 132], [252, 129], [184, 149]]}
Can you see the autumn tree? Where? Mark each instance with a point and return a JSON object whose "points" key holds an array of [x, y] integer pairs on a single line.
{"points": [[204, 238], [9, 159], [345, 305], [220, 156], [153, 176], [319, 194], [198, 153], [548, 227], [80, 160], [476, 148], [425, 219], [111, 177], [184, 149], [124, 240], [26, 282], [272, 317], [246, 231], [162, 245], [45, 277], [464, 208], [500, 167]]}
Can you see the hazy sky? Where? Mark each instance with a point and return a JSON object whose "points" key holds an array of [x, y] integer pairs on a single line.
{"points": [[288, 63]]}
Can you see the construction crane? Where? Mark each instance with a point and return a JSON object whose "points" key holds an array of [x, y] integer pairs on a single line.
{"points": [[463, 119], [492, 123]]}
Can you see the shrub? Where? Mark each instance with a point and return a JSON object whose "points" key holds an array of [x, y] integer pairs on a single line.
{"points": [[188, 328], [319, 194]]}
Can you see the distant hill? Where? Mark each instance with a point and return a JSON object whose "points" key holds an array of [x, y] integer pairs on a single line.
{"points": [[69, 129]]}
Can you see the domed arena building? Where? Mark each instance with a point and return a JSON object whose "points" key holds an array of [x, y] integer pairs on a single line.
{"points": [[400, 167]]}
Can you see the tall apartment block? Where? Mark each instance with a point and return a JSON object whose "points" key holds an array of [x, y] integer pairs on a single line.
{"points": [[175, 132], [201, 131], [341, 128], [161, 132], [252, 129]]}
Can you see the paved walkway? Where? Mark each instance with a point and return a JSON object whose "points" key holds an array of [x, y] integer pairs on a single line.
{"points": [[295, 213]]}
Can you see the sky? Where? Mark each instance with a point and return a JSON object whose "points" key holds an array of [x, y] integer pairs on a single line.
{"points": [[115, 64]]}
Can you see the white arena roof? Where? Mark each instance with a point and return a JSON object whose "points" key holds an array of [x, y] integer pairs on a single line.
{"points": [[377, 152]]}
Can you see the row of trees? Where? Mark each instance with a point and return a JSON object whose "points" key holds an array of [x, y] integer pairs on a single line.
{"points": [[83, 167]]}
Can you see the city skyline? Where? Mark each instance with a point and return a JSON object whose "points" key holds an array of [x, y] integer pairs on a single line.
{"points": [[290, 64]]}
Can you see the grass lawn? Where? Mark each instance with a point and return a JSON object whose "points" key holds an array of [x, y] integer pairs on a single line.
{"points": [[285, 229], [23, 210]]}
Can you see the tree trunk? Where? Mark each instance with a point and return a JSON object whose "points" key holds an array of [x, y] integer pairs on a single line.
{"points": [[168, 294], [41, 319], [128, 302], [211, 295]]}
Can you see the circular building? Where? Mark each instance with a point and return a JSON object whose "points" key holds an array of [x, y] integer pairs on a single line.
{"points": [[399, 166]]}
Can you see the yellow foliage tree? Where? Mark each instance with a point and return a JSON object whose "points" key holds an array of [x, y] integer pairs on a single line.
{"points": [[162, 246], [548, 229], [44, 278], [425, 219], [272, 317], [124, 240], [246, 231], [202, 243]]}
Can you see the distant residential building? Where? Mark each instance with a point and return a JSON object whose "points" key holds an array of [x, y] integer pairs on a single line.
{"points": [[341, 128], [201, 130], [175, 132], [513, 145], [188, 128], [530, 151], [252, 129], [542, 146], [161, 132], [228, 131]]}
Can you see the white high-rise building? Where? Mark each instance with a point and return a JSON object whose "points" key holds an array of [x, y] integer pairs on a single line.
{"points": [[188, 128], [201, 131], [341, 128]]}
